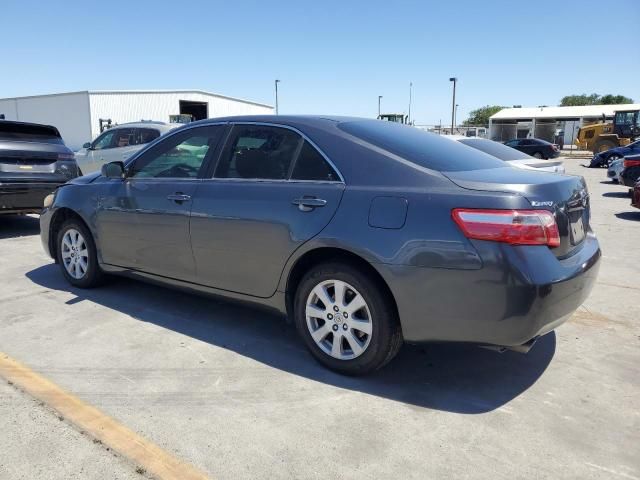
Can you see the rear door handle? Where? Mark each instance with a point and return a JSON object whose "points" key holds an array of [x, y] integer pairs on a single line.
{"points": [[306, 204], [179, 197]]}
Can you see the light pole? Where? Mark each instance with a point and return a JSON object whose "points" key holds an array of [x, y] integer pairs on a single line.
{"points": [[455, 115], [453, 103], [379, 98], [409, 116], [276, 83]]}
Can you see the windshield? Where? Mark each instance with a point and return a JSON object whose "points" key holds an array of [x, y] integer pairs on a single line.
{"points": [[496, 149], [417, 146]]}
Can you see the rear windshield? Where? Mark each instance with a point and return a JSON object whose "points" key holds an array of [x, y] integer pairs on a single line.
{"points": [[496, 149], [26, 132], [417, 146]]}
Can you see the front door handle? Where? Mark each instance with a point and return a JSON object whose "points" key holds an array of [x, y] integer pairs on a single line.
{"points": [[179, 197], [306, 204]]}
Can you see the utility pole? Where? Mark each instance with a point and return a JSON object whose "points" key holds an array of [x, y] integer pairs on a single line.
{"points": [[453, 103], [379, 98], [277, 82], [455, 116], [409, 116]]}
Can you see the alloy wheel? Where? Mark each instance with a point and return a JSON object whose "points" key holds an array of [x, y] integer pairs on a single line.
{"points": [[75, 255], [338, 319]]}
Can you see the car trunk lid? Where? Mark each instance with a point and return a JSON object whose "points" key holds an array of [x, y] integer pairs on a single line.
{"points": [[564, 195]]}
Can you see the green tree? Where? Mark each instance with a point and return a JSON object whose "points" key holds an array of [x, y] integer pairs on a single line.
{"points": [[593, 99], [481, 115], [614, 99]]}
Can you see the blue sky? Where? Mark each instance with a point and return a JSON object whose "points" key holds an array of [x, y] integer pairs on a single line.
{"points": [[333, 57]]}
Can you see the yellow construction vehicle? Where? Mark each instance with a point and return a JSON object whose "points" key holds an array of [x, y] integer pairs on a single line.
{"points": [[602, 136]]}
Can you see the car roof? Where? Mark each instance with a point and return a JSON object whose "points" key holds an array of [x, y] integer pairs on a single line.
{"points": [[148, 124]]}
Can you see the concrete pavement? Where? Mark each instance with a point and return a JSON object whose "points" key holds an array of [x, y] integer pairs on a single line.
{"points": [[231, 390]]}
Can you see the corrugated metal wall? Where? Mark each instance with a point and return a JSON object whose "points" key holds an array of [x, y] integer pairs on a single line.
{"points": [[135, 106], [69, 113]]}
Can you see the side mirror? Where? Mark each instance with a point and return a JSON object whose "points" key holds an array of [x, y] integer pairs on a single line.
{"points": [[113, 170], [87, 145]]}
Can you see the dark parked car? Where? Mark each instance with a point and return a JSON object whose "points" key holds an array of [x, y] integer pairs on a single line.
{"points": [[606, 158], [535, 147], [366, 233], [33, 162], [635, 196], [631, 170]]}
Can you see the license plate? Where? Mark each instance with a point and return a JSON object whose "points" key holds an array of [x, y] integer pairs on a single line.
{"points": [[577, 231]]}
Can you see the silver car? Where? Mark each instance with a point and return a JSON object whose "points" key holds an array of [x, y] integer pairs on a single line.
{"points": [[119, 143], [513, 157], [615, 169]]}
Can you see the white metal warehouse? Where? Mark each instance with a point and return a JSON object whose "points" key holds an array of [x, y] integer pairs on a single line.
{"points": [[77, 115], [549, 122]]}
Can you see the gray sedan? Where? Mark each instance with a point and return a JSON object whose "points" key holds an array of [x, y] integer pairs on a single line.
{"points": [[364, 233]]}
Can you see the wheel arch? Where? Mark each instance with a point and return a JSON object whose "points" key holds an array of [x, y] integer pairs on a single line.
{"points": [[321, 255], [61, 215]]}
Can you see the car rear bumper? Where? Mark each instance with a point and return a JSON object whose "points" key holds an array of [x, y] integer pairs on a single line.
{"points": [[519, 294], [24, 197]]}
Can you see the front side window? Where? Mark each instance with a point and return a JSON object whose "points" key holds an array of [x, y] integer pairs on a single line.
{"points": [[513, 143], [180, 156], [104, 141], [624, 118], [259, 152]]}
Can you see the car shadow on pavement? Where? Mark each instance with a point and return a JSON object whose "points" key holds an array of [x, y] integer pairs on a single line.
{"points": [[18, 226], [633, 216], [616, 195], [450, 377]]}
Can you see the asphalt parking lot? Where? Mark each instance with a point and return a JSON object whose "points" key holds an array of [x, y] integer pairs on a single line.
{"points": [[231, 390]]}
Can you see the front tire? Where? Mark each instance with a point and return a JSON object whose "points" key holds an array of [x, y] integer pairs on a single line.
{"points": [[346, 319], [77, 255]]}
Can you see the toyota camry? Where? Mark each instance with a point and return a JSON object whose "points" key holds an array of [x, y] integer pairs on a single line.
{"points": [[365, 233]]}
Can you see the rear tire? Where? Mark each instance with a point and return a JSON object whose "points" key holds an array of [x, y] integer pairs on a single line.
{"points": [[77, 254], [538, 155], [354, 332]]}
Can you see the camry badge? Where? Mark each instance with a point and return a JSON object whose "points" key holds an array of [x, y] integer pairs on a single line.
{"points": [[541, 204]]}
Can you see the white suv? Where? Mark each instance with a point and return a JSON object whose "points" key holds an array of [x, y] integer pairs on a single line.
{"points": [[119, 143]]}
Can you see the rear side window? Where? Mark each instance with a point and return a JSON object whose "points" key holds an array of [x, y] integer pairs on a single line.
{"points": [[422, 148], [310, 165], [25, 132], [145, 135], [496, 149], [259, 152]]}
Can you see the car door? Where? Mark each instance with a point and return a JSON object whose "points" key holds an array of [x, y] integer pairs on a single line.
{"points": [[89, 159], [272, 191], [143, 220], [527, 146]]}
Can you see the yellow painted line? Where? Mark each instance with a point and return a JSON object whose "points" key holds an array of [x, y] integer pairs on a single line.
{"points": [[114, 435]]}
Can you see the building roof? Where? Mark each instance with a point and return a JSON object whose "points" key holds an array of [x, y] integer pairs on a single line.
{"points": [[562, 112], [116, 92]]}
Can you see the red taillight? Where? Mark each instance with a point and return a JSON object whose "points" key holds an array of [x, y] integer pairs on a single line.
{"points": [[517, 227], [631, 163], [555, 148]]}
